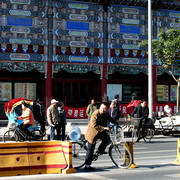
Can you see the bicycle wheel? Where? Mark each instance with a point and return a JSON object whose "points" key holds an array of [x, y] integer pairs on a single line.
{"points": [[78, 154], [120, 156], [10, 136], [117, 135], [37, 134], [148, 134], [120, 134], [130, 131], [134, 135]]}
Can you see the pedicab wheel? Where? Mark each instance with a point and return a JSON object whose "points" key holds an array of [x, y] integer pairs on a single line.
{"points": [[38, 134], [149, 133], [165, 133], [10, 136]]}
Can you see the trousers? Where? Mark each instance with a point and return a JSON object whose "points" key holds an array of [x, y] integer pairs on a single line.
{"points": [[90, 151], [141, 126]]}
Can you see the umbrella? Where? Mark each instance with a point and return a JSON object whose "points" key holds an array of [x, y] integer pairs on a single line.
{"points": [[9, 106], [134, 103]]}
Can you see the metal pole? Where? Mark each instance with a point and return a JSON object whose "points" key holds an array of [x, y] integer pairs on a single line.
{"points": [[178, 86], [150, 62]]}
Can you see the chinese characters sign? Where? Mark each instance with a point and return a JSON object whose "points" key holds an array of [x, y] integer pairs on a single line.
{"points": [[5, 91], [25, 90], [79, 113], [163, 92]]}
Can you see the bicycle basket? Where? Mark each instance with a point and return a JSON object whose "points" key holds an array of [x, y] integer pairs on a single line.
{"points": [[135, 122], [118, 135], [11, 125]]}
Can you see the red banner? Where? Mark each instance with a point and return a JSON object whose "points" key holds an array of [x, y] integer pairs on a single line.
{"points": [[80, 113], [76, 113]]}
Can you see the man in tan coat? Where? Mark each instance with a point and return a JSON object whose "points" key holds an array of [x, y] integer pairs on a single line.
{"points": [[97, 129], [53, 119]]}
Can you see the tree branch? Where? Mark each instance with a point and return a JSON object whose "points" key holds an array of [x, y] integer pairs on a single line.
{"points": [[173, 76]]}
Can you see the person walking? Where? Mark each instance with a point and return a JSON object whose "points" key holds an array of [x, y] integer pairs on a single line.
{"points": [[53, 119], [28, 119], [114, 113], [142, 112], [91, 108], [38, 114], [116, 101], [117, 112], [62, 120], [97, 127]]}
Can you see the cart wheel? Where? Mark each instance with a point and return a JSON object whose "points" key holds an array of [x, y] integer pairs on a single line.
{"points": [[165, 133]]}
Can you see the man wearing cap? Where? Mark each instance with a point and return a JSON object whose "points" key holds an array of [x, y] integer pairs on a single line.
{"points": [[53, 119]]}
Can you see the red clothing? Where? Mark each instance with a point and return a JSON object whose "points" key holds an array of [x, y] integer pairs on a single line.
{"points": [[27, 116]]}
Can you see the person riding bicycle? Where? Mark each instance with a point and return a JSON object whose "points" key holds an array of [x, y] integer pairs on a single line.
{"points": [[28, 119], [142, 112], [97, 127]]}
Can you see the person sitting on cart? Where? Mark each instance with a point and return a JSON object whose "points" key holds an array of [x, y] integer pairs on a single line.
{"points": [[142, 112], [28, 119]]}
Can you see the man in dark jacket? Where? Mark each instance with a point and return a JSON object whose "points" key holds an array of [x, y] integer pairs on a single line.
{"points": [[38, 114], [62, 120], [117, 109], [142, 112], [115, 114]]}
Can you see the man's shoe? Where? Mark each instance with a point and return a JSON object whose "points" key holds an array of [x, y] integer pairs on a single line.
{"points": [[89, 168], [100, 152]]}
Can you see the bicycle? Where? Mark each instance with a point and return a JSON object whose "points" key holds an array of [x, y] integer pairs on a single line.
{"points": [[17, 134], [148, 132], [118, 134], [119, 154]]}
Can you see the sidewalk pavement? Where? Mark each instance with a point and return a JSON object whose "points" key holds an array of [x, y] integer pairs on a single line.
{"points": [[81, 123]]}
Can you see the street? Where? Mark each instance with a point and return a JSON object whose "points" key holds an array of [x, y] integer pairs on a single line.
{"points": [[154, 161]]}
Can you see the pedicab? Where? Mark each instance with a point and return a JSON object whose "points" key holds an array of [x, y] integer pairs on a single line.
{"points": [[170, 124], [13, 110]]}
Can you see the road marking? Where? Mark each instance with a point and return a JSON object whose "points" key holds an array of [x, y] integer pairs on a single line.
{"points": [[173, 175], [161, 151], [157, 157], [90, 176]]}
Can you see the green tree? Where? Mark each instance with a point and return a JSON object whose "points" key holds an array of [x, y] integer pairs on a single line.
{"points": [[167, 50]]}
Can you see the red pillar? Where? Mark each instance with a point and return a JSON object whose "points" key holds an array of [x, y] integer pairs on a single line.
{"points": [[48, 84], [154, 70], [104, 83]]}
